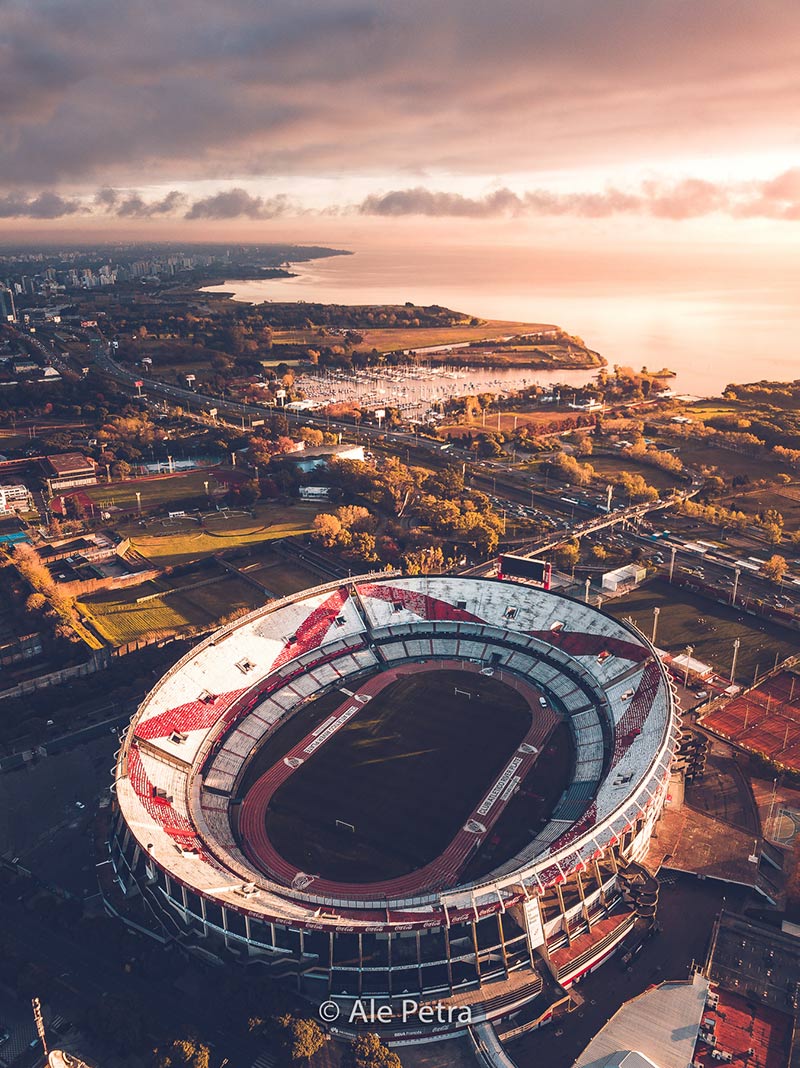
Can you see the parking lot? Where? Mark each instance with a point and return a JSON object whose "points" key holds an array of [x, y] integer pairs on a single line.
{"points": [[47, 810]]}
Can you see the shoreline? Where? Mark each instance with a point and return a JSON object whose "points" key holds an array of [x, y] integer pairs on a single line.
{"points": [[499, 335]]}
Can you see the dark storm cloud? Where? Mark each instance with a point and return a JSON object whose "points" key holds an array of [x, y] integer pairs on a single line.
{"points": [[133, 206], [239, 204], [133, 93], [45, 205]]}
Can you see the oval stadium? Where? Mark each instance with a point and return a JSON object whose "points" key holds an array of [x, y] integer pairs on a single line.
{"points": [[387, 787]]}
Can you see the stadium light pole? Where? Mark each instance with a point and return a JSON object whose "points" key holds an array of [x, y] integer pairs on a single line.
{"points": [[656, 612], [36, 1005], [139, 501], [673, 551], [587, 584], [736, 643], [689, 651], [772, 801], [736, 574]]}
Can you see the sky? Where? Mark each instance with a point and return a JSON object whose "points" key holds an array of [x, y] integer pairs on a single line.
{"points": [[662, 122]]}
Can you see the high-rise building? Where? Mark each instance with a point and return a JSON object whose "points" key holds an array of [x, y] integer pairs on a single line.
{"points": [[8, 313]]}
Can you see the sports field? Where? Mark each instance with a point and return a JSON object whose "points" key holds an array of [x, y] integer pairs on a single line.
{"points": [[179, 541], [283, 577], [401, 776], [765, 720], [169, 605], [531, 807], [179, 490], [710, 628]]}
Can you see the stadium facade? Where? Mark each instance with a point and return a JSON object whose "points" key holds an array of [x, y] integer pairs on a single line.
{"points": [[187, 859]]}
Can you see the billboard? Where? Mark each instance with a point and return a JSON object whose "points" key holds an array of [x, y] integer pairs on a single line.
{"points": [[533, 923], [522, 567]]}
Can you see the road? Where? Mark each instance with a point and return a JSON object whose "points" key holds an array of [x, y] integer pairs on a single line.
{"points": [[509, 487]]}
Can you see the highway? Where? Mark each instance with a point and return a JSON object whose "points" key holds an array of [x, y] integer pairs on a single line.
{"points": [[631, 514], [512, 488]]}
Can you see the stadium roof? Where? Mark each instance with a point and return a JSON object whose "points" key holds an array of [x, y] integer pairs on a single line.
{"points": [[195, 732], [658, 1028]]}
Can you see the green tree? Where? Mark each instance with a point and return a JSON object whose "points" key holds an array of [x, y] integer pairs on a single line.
{"points": [[362, 547], [569, 554], [424, 561], [327, 529], [182, 1053], [773, 533], [303, 1037], [367, 1051], [774, 568], [583, 445]]}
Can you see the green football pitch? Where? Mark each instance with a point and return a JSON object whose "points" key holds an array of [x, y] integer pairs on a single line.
{"points": [[391, 789]]}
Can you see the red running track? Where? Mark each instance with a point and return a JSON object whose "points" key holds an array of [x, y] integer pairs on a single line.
{"points": [[440, 873]]}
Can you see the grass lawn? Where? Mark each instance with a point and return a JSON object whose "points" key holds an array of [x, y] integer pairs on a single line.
{"points": [[615, 465], [390, 339], [784, 499], [283, 577], [118, 617], [406, 772], [730, 463], [687, 619], [709, 408], [157, 491], [506, 421], [181, 541]]}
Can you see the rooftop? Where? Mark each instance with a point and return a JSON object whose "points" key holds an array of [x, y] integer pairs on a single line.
{"points": [[70, 463], [755, 960], [659, 1028]]}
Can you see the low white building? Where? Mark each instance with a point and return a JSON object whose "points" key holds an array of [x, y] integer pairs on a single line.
{"points": [[321, 455], [624, 578], [15, 498]]}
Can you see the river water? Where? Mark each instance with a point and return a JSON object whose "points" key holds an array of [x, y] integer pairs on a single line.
{"points": [[710, 325]]}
